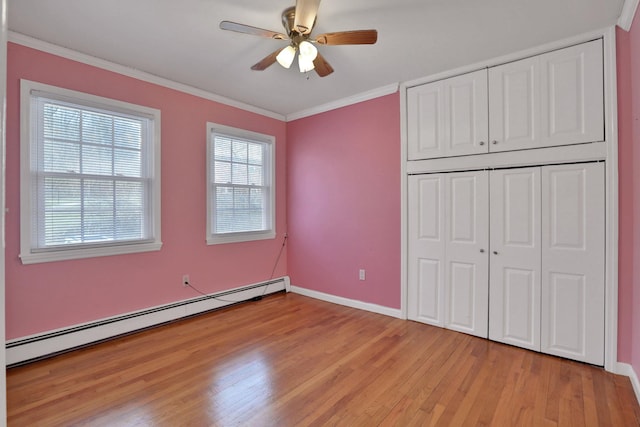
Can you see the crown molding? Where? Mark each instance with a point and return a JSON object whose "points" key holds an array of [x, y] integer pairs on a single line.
{"points": [[361, 97], [73, 55], [628, 13]]}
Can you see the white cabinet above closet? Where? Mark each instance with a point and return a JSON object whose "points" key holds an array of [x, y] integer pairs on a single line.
{"points": [[552, 99]]}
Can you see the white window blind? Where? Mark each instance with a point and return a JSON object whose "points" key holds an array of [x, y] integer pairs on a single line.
{"points": [[91, 175], [240, 188]]}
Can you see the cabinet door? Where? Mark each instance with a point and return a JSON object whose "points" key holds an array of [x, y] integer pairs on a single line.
{"points": [[514, 102], [552, 99], [467, 273], [514, 311], [448, 117], [573, 277], [466, 114], [425, 121], [572, 96], [426, 257]]}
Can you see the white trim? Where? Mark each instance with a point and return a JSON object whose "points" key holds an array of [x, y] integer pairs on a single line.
{"points": [[611, 177], [592, 151], [344, 102], [360, 305], [30, 347], [27, 254], [628, 13], [404, 211], [628, 371], [132, 72]]}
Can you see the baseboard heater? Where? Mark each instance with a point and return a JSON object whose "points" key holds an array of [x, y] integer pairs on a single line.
{"points": [[35, 347]]}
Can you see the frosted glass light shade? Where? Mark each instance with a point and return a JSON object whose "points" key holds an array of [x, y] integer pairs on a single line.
{"points": [[308, 51], [305, 64], [286, 55]]}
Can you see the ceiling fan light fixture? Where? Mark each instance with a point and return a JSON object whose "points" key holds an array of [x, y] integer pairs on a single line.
{"points": [[286, 56]]}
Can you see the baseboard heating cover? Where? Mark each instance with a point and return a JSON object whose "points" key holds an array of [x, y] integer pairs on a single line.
{"points": [[38, 346]]}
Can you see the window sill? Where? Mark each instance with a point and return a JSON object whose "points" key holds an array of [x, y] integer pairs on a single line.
{"points": [[78, 253], [240, 237]]}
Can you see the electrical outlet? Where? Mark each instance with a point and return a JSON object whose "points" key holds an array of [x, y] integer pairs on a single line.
{"points": [[362, 274], [185, 280]]}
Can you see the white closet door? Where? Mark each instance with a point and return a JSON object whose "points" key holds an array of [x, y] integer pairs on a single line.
{"points": [[426, 257], [467, 237], [573, 262], [572, 96], [515, 257], [426, 121], [514, 102], [466, 114]]}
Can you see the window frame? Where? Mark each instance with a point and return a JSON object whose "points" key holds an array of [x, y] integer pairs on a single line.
{"points": [[28, 253], [270, 175]]}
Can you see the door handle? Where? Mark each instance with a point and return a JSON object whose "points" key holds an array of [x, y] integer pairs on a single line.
{"points": [[495, 252]]}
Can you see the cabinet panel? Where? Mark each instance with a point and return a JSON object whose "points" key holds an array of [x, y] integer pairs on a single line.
{"points": [[514, 105], [425, 117], [466, 114], [572, 82], [515, 257], [573, 274], [448, 117], [466, 216], [426, 249]]}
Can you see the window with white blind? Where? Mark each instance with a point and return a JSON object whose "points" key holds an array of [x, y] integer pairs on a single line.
{"points": [[90, 178], [240, 190]]}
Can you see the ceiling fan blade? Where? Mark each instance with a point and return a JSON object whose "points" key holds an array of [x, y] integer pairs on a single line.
{"points": [[348, 37], [305, 18], [265, 62], [254, 31], [322, 67]]}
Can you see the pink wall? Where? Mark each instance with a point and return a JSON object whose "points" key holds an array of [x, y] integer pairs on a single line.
{"points": [[628, 57], [46, 296], [344, 201]]}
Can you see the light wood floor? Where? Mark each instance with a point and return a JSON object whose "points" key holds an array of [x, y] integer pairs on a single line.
{"points": [[289, 360]]}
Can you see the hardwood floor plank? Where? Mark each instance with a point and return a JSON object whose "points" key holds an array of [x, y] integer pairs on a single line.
{"points": [[289, 360]]}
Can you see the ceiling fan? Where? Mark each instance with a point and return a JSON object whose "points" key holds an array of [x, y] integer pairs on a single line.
{"points": [[298, 22]]}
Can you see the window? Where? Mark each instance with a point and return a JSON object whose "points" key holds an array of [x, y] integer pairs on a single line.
{"points": [[240, 191], [90, 175]]}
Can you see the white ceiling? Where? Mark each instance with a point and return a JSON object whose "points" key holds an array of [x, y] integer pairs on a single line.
{"points": [[181, 41]]}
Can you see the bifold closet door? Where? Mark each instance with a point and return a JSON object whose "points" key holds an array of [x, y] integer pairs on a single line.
{"points": [[515, 257], [448, 250], [467, 239], [426, 241], [573, 256]]}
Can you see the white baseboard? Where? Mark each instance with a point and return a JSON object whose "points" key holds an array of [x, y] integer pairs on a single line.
{"points": [[627, 370], [393, 312], [48, 343]]}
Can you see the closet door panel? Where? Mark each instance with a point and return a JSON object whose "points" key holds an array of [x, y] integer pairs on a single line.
{"points": [[572, 98], [515, 257], [426, 256], [467, 216], [514, 102], [573, 261], [426, 130]]}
